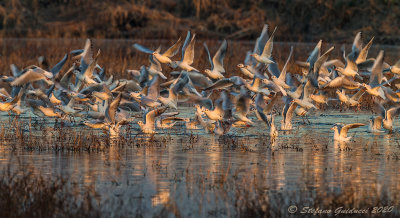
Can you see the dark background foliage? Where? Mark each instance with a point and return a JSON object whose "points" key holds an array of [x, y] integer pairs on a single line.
{"points": [[298, 20]]}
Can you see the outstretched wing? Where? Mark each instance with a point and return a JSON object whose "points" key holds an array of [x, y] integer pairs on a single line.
{"points": [[87, 56], [380, 109], [358, 95], [284, 69], [357, 44], [112, 108], [143, 48], [378, 122], [154, 88], [321, 60], [151, 116], [340, 82], [376, 73], [59, 65], [315, 54], [209, 56], [314, 70], [392, 113], [186, 44], [27, 77], [364, 52], [261, 40], [218, 59], [155, 64], [189, 52], [267, 52], [288, 110], [173, 49], [273, 69], [346, 128]]}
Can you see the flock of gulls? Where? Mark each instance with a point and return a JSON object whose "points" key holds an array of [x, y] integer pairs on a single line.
{"points": [[83, 90]]}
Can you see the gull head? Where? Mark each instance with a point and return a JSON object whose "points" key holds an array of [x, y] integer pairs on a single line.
{"points": [[255, 55], [336, 126], [371, 120]]}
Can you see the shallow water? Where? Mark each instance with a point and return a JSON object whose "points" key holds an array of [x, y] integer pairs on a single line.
{"points": [[154, 174], [191, 167]]}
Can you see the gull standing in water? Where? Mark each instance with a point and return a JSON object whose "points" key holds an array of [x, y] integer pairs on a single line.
{"points": [[341, 130]]}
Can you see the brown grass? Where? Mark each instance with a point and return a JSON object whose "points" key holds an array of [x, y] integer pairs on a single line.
{"points": [[26, 194], [308, 20], [39, 135]]}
